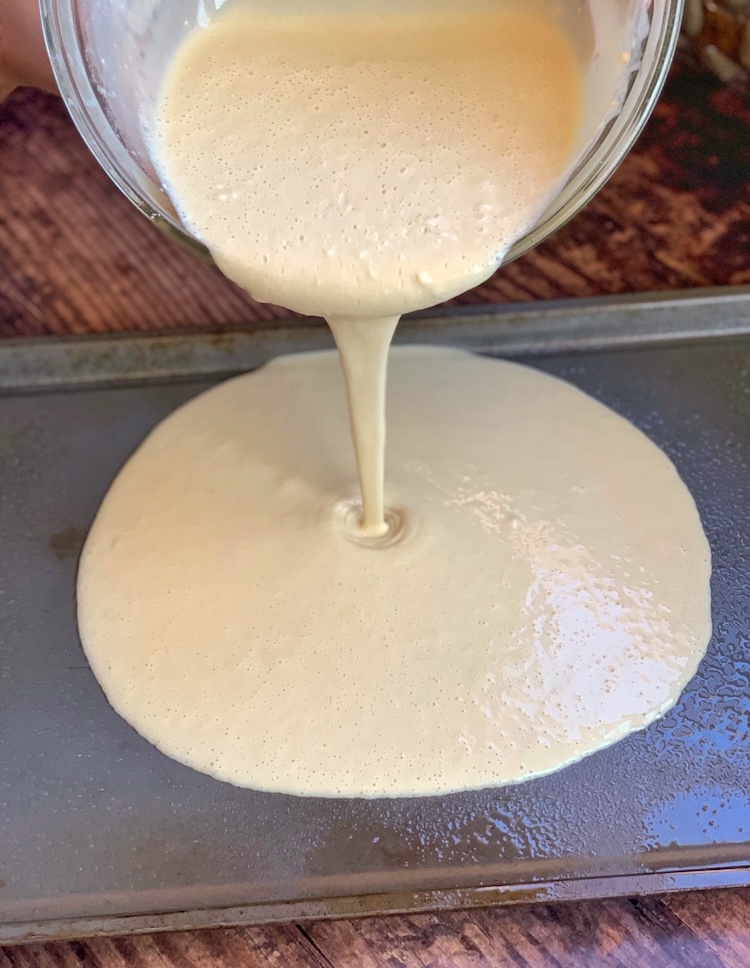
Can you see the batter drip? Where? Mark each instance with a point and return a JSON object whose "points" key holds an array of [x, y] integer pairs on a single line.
{"points": [[533, 582]]}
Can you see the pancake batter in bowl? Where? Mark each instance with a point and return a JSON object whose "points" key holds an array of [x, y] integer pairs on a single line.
{"points": [[516, 597], [358, 165]]}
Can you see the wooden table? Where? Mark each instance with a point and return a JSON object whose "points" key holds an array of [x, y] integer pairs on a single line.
{"points": [[76, 258]]}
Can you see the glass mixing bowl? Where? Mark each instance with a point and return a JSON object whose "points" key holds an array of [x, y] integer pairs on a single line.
{"points": [[108, 57]]}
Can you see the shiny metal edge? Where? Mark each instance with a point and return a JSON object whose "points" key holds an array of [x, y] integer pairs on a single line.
{"points": [[574, 325], [371, 905]]}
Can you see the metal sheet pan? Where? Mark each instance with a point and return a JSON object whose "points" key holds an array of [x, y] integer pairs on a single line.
{"points": [[100, 833]]}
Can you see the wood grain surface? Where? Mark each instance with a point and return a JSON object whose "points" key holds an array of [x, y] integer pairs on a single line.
{"points": [[76, 258], [698, 930]]}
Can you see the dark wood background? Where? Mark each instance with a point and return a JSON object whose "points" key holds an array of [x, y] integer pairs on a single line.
{"points": [[76, 258]]}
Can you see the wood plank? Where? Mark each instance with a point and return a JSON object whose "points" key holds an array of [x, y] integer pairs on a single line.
{"points": [[606, 932], [698, 930], [722, 919]]}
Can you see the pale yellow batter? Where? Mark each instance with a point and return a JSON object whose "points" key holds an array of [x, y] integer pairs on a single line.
{"points": [[544, 589], [361, 164], [532, 582], [368, 164]]}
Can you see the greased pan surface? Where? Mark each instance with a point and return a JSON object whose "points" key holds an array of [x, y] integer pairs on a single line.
{"points": [[101, 833]]}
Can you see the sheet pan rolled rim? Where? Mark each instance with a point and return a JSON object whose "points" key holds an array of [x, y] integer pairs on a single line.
{"points": [[571, 325]]}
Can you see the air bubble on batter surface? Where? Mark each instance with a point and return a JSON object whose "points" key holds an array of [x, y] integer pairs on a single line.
{"points": [[343, 113]]}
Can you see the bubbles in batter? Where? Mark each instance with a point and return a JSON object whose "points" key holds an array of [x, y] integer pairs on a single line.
{"points": [[357, 162], [531, 583], [548, 591]]}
